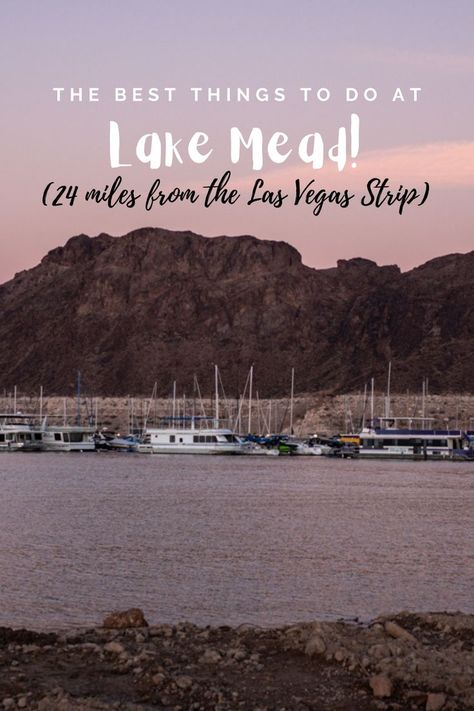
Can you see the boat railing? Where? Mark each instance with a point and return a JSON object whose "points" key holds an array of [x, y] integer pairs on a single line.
{"points": [[428, 433], [184, 422]]}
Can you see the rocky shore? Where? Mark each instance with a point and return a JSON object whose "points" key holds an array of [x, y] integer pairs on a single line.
{"points": [[407, 661]]}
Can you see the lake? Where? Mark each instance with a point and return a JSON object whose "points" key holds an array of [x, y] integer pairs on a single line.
{"points": [[230, 540]]}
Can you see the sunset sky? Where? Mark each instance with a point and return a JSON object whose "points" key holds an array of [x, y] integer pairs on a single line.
{"points": [[211, 44]]}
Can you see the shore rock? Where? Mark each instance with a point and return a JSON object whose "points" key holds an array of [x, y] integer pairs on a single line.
{"points": [[122, 620], [315, 645], [396, 631], [381, 686], [114, 647], [435, 702]]}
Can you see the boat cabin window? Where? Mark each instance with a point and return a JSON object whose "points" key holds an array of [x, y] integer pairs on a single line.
{"points": [[57, 436], [407, 442], [437, 443], [231, 438], [38, 436], [2, 438], [204, 438], [172, 438]]}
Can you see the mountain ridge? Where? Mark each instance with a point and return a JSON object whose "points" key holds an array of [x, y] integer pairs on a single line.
{"points": [[156, 305]]}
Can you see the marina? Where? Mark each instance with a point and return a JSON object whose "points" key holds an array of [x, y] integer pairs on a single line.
{"points": [[247, 425], [205, 436]]}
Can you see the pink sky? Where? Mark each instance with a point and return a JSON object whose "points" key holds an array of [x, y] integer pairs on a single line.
{"points": [[266, 44]]}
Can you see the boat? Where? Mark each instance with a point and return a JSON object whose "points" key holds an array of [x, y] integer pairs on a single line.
{"points": [[18, 433], [189, 435], [294, 448], [306, 449], [66, 438], [466, 454], [312, 447], [115, 443], [255, 450], [387, 439]]}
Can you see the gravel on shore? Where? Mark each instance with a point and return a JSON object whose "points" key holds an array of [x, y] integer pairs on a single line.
{"points": [[406, 661]]}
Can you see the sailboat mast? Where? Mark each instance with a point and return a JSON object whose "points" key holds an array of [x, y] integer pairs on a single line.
{"points": [[216, 385], [426, 397], [174, 399], [250, 400], [292, 398], [372, 386], [239, 414], [423, 404], [78, 394], [364, 405], [387, 400]]}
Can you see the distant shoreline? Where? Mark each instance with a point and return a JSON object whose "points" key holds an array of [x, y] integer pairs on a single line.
{"points": [[319, 412]]}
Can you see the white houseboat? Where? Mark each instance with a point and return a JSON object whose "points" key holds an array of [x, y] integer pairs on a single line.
{"points": [[189, 435], [18, 433], [67, 438], [388, 439]]}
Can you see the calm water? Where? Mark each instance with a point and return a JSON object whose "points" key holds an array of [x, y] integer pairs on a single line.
{"points": [[231, 540]]}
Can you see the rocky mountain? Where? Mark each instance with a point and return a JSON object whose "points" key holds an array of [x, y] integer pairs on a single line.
{"points": [[156, 305]]}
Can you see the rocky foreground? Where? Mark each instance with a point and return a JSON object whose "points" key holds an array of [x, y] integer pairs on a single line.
{"points": [[404, 662]]}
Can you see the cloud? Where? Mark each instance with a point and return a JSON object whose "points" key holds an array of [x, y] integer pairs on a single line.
{"points": [[443, 165], [449, 164]]}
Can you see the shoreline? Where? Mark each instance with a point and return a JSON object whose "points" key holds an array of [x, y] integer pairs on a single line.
{"points": [[318, 412], [403, 661]]}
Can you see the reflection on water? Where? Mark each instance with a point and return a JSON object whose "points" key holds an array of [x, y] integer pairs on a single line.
{"points": [[231, 540]]}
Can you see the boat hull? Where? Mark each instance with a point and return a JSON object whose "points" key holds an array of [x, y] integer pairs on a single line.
{"points": [[20, 447], [68, 447], [190, 441], [189, 449]]}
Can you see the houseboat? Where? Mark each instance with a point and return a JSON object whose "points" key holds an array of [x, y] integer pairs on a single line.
{"points": [[389, 439], [66, 438], [18, 433], [189, 435]]}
